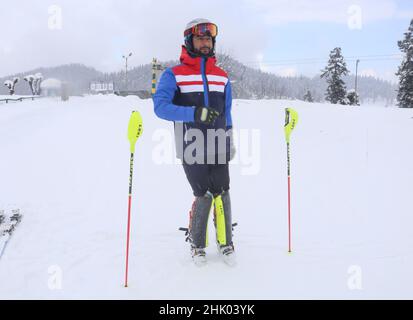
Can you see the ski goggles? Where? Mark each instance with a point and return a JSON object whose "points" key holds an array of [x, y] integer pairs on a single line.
{"points": [[203, 29]]}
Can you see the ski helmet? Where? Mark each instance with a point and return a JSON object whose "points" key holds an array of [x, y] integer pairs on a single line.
{"points": [[200, 27]]}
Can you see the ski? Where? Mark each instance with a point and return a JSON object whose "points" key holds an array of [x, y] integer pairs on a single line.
{"points": [[7, 226]]}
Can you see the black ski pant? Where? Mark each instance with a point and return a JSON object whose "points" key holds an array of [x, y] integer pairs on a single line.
{"points": [[207, 177]]}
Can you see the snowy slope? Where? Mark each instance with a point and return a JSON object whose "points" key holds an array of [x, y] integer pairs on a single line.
{"points": [[66, 166]]}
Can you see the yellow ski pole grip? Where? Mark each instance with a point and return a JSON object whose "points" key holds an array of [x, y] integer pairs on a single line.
{"points": [[135, 129], [291, 119]]}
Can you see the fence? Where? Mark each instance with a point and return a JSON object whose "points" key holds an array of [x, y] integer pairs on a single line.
{"points": [[18, 99]]}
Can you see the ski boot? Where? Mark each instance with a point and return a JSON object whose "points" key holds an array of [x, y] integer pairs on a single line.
{"points": [[223, 227], [198, 256], [196, 233]]}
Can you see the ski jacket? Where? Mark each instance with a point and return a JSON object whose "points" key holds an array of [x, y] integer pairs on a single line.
{"points": [[197, 81]]}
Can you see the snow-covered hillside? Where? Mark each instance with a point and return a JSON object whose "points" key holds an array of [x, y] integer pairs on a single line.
{"points": [[66, 166]]}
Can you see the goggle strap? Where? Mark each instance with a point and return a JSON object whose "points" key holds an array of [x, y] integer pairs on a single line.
{"points": [[207, 27]]}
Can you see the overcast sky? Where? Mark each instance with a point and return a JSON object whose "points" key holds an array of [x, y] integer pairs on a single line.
{"points": [[288, 37]]}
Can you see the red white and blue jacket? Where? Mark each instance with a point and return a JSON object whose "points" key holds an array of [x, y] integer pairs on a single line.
{"points": [[197, 81]]}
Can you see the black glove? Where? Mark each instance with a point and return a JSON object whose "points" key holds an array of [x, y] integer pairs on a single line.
{"points": [[205, 115]]}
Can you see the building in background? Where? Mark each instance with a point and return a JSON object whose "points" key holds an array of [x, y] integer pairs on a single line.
{"points": [[51, 87], [97, 87]]}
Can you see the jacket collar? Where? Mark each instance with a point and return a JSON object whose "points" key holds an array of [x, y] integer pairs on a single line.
{"points": [[195, 62]]}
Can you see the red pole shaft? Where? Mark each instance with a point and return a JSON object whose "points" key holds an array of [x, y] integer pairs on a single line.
{"points": [[127, 242], [129, 218], [289, 214]]}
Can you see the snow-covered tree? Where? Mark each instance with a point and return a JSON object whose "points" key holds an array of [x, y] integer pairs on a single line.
{"points": [[34, 82], [405, 72], [352, 98], [11, 84], [335, 70], [30, 79], [308, 96], [38, 78]]}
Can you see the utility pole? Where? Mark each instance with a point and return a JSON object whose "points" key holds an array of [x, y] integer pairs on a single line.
{"points": [[126, 68], [357, 65]]}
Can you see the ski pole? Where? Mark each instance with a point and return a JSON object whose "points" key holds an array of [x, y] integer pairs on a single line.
{"points": [[135, 129], [291, 118]]}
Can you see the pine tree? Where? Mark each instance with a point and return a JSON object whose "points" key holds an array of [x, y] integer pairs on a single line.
{"points": [[308, 97], [335, 70], [405, 72]]}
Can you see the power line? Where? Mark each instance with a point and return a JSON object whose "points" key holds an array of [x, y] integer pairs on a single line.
{"points": [[282, 62], [324, 58]]}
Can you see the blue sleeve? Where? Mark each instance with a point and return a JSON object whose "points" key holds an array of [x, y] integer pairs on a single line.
{"points": [[228, 104], [162, 100]]}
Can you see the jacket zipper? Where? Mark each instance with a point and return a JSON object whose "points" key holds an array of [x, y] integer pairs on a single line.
{"points": [[205, 81]]}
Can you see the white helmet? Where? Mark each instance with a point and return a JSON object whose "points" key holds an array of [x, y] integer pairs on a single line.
{"points": [[195, 22], [199, 26]]}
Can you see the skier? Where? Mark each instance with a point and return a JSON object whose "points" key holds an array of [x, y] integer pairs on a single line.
{"points": [[196, 95]]}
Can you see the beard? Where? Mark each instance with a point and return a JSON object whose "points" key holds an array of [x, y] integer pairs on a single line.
{"points": [[205, 51]]}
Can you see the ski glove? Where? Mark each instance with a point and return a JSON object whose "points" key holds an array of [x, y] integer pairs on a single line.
{"points": [[205, 115]]}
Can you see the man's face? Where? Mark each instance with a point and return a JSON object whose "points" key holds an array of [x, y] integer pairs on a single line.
{"points": [[203, 44]]}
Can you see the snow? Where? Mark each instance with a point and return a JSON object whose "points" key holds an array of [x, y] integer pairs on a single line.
{"points": [[66, 166]]}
